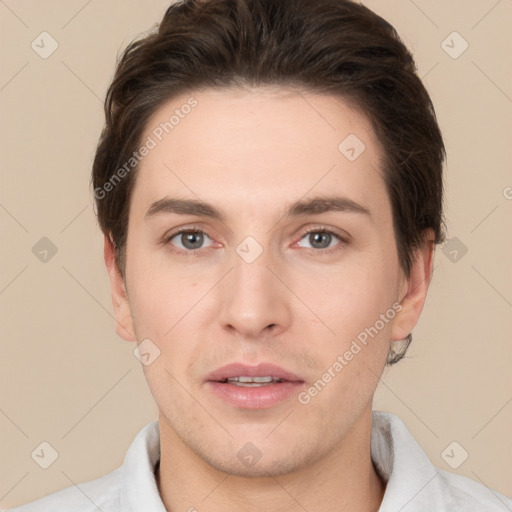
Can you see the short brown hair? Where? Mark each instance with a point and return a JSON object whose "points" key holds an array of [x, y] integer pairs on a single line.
{"points": [[332, 46]]}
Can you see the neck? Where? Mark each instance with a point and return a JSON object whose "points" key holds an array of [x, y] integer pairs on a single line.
{"points": [[343, 480]]}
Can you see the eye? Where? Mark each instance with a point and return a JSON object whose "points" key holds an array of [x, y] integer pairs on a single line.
{"points": [[190, 239], [321, 239]]}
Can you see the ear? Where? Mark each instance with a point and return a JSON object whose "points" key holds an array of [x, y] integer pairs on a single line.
{"points": [[414, 289], [122, 312]]}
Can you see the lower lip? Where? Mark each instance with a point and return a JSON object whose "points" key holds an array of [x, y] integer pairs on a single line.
{"points": [[260, 397]]}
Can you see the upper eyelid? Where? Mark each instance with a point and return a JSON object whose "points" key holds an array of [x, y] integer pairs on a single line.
{"points": [[198, 229], [181, 231], [323, 230]]}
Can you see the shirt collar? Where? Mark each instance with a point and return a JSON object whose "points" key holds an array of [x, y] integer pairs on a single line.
{"points": [[409, 475], [139, 490]]}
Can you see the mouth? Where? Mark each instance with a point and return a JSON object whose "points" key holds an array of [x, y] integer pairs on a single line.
{"points": [[263, 374], [252, 382], [253, 386]]}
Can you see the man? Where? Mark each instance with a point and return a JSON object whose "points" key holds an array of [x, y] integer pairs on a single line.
{"points": [[269, 183]]}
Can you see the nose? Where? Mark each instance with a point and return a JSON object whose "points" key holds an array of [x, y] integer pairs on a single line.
{"points": [[255, 303]]}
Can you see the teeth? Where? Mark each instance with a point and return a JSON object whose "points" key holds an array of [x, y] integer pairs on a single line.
{"points": [[252, 381], [250, 384]]}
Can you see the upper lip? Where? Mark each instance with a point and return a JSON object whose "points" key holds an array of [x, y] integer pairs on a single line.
{"points": [[258, 370]]}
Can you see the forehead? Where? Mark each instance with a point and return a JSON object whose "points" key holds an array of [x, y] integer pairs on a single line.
{"points": [[265, 146]]}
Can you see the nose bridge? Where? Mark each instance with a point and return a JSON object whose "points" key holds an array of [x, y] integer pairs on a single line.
{"points": [[253, 298], [251, 264]]}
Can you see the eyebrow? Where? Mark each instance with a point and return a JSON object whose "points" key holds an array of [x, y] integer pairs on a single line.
{"points": [[314, 206]]}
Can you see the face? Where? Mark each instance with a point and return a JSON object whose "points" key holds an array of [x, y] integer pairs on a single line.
{"points": [[288, 268]]}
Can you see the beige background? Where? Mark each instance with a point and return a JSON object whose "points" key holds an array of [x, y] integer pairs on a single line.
{"points": [[69, 380]]}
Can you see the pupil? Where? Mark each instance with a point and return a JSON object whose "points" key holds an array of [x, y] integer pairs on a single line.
{"points": [[193, 240], [316, 238]]}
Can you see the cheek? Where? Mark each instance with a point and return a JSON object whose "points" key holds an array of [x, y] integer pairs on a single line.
{"points": [[159, 295], [352, 298]]}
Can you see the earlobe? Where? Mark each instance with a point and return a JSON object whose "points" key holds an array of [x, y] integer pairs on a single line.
{"points": [[416, 287], [122, 312]]}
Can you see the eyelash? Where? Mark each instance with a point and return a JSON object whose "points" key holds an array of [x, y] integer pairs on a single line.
{"points": [[322, 230]]}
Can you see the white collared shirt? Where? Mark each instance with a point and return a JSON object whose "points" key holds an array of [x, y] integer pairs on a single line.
{"points": [[413, 483]]}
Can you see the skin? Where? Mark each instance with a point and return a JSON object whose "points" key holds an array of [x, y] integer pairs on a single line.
{"points": [[251, 153]]}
